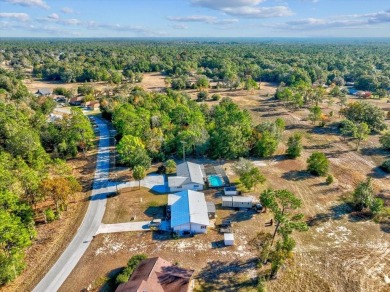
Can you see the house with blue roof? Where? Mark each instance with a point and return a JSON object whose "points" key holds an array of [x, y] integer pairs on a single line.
{"points": [[188, 212]]}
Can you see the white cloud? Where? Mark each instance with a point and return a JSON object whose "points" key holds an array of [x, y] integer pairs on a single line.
{"points": [[259, 12], [340, 21], [67, 10], [244, 8], [54, 16], [29, 3], [137, 30], [180, 26], [221, 4], [17, 16], [201, 18]]}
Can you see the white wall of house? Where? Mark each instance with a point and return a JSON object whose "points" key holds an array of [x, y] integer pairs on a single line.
{"points": [[192, 186], [192, 227]]}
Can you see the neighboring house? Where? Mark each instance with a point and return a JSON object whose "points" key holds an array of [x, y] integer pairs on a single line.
{"points": [[158, 275], [189, 176], [237, 202], [44, 92], [188, 212], [77, 100]]}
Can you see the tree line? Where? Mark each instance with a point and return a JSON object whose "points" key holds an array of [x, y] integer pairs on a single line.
{"points": [[32, 169], [230, 64]]}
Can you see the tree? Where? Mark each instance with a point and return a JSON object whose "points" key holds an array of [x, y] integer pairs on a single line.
{"points": [[14, 238], [132, 152], [60, 189], [315, 114], [294, 145], [347, 128], [385, 140], [266, 145], [249, 174], [370, 114], [251, 178], [361, 133], [318, 164], [139, 174], [269, 134], [170, 166], [282, 203], [202, 82], [363, 195]]}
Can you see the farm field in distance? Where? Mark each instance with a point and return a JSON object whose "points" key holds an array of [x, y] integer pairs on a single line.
{"points": [[230, 108]]}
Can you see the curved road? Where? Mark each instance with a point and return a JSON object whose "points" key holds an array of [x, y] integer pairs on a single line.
{"points": [[97, 205]]}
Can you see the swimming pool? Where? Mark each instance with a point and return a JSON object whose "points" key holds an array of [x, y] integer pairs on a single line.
{"points": [[215, 181]]}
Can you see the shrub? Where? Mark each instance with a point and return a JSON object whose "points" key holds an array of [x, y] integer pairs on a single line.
{"points": [[385, 140], [329, 179], [216, 97], [202, 95], [386, 165], [132, 264], [50, 216], [170, 165], [294, 145], [318, 164]]}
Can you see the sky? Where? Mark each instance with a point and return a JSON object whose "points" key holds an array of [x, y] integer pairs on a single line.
{"points": [[194, 18]]}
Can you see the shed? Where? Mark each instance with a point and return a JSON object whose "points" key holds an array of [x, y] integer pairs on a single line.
{"points": [[211, 210], [237, 202], [230, 191], [228, 239]]}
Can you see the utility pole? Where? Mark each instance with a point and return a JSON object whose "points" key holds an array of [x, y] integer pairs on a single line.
{"points": [[184, 152]]}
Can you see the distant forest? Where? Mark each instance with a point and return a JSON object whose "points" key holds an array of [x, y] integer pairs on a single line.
{"points": [[228, 62]]}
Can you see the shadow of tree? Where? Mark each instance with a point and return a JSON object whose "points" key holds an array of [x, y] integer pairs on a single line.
{"points": [[370, 151], [155, 212], [379, 173], [296, 175], [110, 285], [222, 276], [242, 215], [298, 127]]}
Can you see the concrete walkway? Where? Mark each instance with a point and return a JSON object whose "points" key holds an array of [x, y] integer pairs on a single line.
{"points": [[123, 227]]}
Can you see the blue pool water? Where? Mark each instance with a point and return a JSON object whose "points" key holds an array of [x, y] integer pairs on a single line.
{"points": [[215, 181]]}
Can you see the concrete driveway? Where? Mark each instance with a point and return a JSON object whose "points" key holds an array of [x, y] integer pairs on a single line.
{"points": [[123, 227]]}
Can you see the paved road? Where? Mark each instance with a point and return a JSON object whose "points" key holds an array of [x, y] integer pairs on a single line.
{"points": [[88, 228]]}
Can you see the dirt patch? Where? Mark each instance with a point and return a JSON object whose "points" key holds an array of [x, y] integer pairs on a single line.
{"points": [[153, 82]]}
